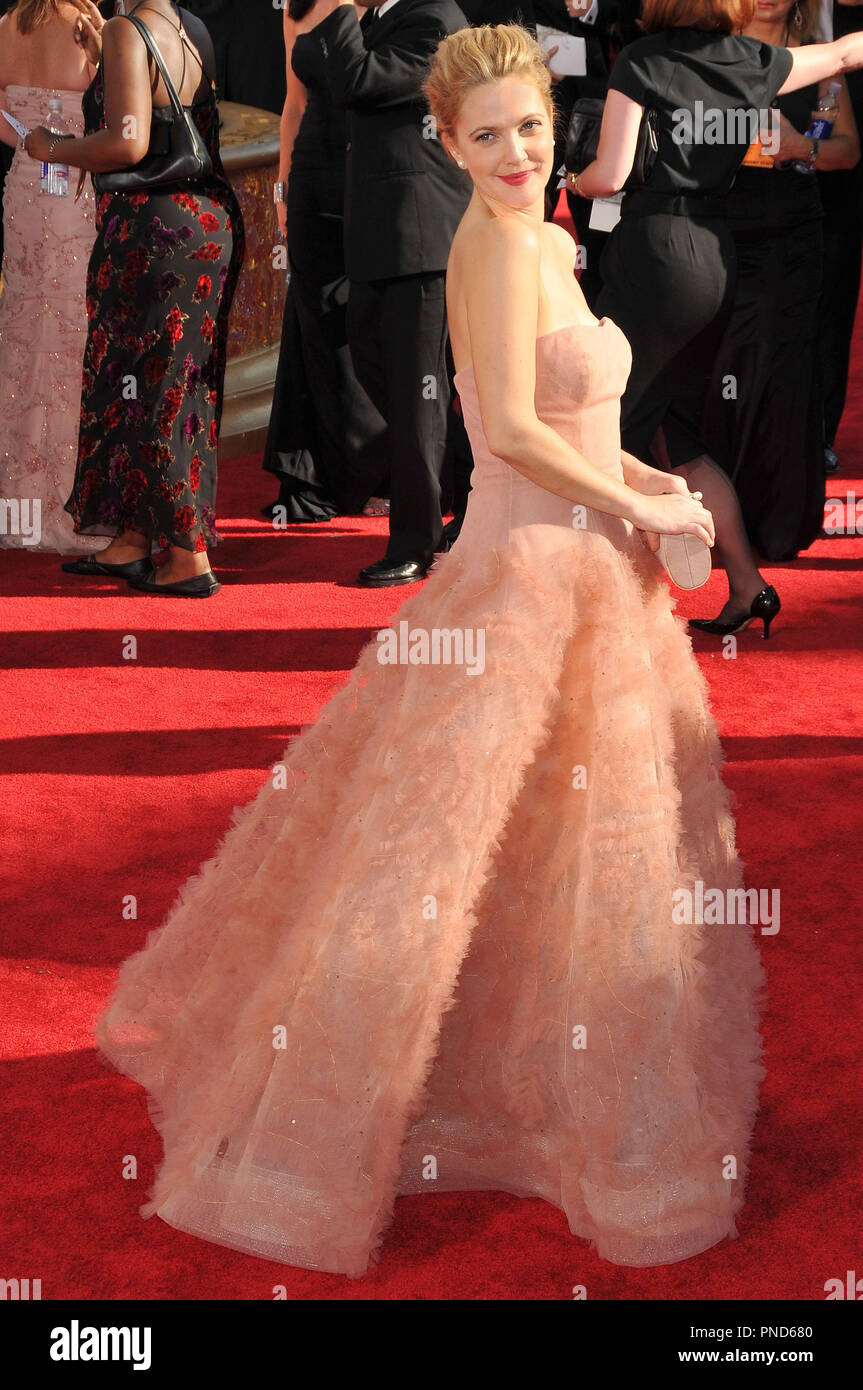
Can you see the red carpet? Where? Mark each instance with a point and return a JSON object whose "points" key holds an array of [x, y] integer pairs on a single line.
{"points": [[119, 776]]}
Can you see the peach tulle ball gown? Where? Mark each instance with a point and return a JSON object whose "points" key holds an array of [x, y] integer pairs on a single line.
{"points": [[450, 936]]}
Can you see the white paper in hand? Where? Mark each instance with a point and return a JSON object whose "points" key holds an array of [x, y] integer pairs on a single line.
{"points": [[16, 125], [570, 60], [605, 213]]}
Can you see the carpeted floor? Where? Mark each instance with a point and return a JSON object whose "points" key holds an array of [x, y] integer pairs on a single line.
{"points": [[119, 776]]}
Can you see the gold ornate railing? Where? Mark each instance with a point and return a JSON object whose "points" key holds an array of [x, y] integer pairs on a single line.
{"points": [[250, 154]]}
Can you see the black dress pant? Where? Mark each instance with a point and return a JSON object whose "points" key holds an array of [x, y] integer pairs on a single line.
{"points": [[397, 330], [326, 442]]}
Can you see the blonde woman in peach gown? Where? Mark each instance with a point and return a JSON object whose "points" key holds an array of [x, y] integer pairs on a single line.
{"points": [[439, 951], [43, 311]]}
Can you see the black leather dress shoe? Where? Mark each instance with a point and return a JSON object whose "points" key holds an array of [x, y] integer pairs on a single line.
{"points": [[132, 570], [199, 586], [386, 572]]}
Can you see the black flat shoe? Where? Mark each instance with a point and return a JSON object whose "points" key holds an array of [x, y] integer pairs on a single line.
{"points": [[384, 573], [132, 570], [199, 586], [764, 606]]}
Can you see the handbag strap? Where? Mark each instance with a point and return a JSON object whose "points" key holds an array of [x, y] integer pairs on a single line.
{"points": [[173, 97]]}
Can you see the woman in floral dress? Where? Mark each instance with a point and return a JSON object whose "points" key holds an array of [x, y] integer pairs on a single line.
{"points": [[159, 290]]}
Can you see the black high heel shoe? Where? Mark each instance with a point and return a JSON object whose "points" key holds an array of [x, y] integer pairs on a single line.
{"points": [[764, 606]]}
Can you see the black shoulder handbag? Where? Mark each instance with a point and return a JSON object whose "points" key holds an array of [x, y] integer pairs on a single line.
{"points": [[582, 140], [177, 153]]}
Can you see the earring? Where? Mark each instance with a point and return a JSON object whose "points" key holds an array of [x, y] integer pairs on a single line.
{"points": [[798, 15]]}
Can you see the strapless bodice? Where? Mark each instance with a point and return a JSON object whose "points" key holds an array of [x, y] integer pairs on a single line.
{"points": [[581, 372], [29, 105], [322, 136]]}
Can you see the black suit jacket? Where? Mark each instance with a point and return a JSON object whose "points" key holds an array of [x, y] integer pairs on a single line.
{"points": [[404, 196]]}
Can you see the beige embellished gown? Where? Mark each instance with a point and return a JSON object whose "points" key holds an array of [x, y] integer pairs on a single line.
{"points": [[439, 952], [43, 330]]}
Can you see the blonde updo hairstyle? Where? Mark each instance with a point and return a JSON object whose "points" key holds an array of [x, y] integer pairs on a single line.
{"points": [[475, 57]]}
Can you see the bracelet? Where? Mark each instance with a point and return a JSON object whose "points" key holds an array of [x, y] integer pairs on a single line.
{"points": [[572, 180], [813, 153], [56, 141], [280, 192]]}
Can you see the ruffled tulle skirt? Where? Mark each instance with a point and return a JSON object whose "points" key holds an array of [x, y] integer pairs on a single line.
{"points": [[438, 951]]}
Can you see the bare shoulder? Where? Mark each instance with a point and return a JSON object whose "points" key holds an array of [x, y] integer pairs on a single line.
{"points": [[496, 241], [121, 39], [10, 41], [118, 31], [560, 241]]}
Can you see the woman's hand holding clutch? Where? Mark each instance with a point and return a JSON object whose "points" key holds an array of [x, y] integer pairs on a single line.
{"points": [[679, 530]]}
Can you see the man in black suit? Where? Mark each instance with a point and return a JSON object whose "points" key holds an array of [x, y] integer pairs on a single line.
{"points": [[404, 198]]}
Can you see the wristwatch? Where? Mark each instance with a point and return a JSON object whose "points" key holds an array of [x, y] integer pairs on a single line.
{"points": [[280, 191], [813, 153]]}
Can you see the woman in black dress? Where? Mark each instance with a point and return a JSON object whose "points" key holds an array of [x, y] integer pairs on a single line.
{"points": [[326, 440], [668, 268], [767, 432], [159, 287]]}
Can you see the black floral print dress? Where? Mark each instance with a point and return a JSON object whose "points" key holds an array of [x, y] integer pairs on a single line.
{"points": [[160, 283]]}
